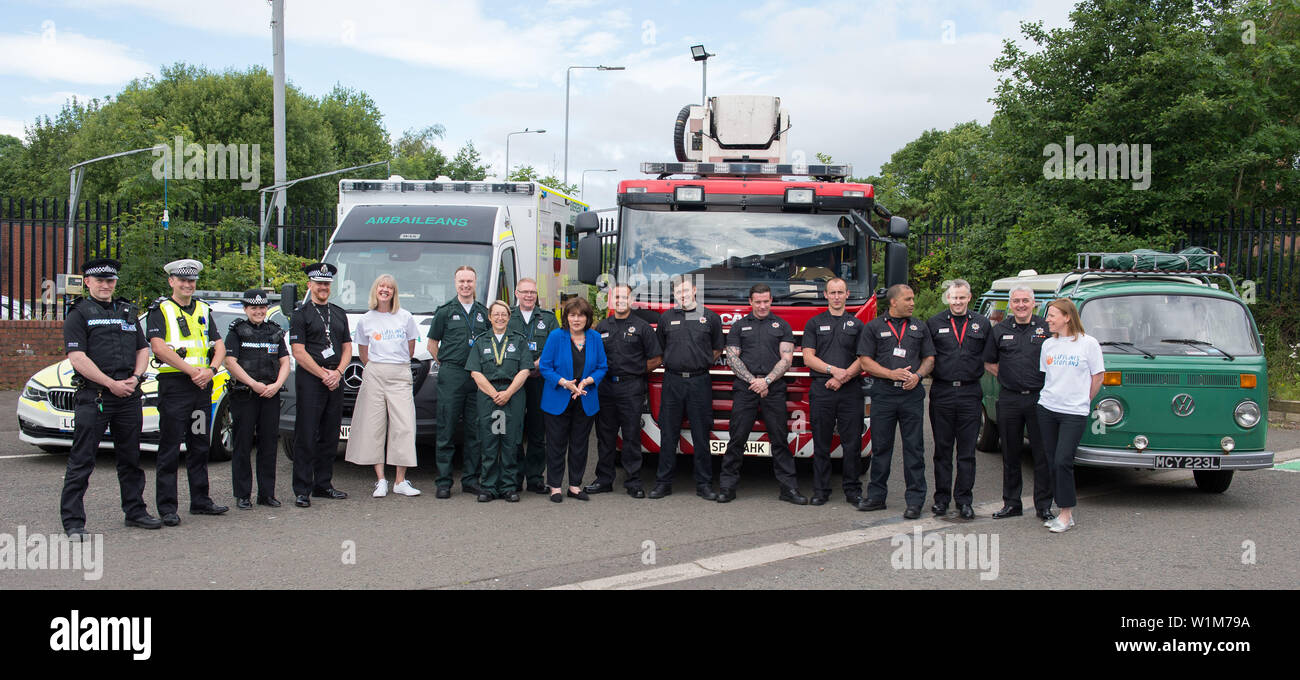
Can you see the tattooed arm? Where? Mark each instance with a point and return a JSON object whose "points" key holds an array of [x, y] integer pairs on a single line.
{"points": [[733, 360], [787, 359]]}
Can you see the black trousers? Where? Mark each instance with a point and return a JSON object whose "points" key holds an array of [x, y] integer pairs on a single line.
{"points": [[123, 417], [620, 409], [1016, 412], [904, 410], [692, 398], [1061, 435], [532, 451], [315, 433], [256, 419], [745, 408], [567, 433], [955, 417], [184, 414], [837, 410]]}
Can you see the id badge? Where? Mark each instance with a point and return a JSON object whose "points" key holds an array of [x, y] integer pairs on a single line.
{"points": [[900, 352], [327, 353], [471, 342], [532, 347]]}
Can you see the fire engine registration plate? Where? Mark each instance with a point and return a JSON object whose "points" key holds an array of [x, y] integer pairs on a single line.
{"points": [[718, 447], [344, 430], [66, 423], [1189, 462]]}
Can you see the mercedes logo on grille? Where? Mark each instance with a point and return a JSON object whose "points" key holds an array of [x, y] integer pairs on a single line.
{"points": [[352, 376], [1183, 405]]}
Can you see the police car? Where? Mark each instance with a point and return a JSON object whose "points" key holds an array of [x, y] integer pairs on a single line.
{"points": [[45, 408]]}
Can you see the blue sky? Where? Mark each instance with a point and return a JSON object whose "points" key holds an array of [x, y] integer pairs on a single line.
{"points": [[860, 79]]}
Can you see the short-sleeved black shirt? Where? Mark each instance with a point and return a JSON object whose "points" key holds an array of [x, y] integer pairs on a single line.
{"points": [[1015, 347], [108, 332], [959, 345], [835, 339], [308, 328], [882, 335], [689, 338], [629, 343], [760, 341]]}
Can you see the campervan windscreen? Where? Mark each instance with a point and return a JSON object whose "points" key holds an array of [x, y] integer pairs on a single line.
{"points": [[424, 272], [1179, 325]]}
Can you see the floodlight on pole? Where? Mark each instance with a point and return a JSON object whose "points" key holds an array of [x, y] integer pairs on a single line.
{"points": [[520, 132], [698, 53], [567, 73]]}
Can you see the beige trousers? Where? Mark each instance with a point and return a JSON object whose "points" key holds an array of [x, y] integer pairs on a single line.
{"points": [[384, 413]]}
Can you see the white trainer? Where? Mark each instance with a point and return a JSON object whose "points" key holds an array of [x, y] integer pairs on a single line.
{"points": [[381, 488], [406, 489], [1059, 527]]}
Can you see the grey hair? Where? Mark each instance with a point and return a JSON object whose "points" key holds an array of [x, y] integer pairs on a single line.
{"points": [[1016, 289]]}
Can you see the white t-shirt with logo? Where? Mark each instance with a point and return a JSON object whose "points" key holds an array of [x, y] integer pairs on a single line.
{"points": [[386, 335], [1069, 365]]}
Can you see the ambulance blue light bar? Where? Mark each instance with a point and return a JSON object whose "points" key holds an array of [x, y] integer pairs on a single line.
{"points": [[749, 169], [467, 187]]}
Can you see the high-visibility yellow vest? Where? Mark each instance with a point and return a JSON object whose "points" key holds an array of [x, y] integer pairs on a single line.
{"points": [[192, 336]]}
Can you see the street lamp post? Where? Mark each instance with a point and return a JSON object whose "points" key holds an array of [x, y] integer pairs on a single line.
{"points": [[583, 192], [567, 73], [520, 132], [698, 53]]}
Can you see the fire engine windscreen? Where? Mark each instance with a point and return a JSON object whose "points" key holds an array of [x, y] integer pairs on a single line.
{"points": [[423, 272], [794, 253]]}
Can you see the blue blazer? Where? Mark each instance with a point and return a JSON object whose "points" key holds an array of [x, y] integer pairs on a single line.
{"points": [[556, 364]]}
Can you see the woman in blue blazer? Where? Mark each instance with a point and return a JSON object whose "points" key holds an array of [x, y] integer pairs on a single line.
{"points": [[569, 395]]}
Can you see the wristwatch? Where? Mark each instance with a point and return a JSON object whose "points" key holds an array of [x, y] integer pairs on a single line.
{"points": [[140, 378], [767, 379]]}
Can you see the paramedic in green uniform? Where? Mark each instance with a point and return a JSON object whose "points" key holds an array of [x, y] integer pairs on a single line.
{"points": [[535, 324], [499, 363], [451, 336]]}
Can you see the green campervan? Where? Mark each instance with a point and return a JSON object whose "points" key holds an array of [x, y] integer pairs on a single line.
{"points": [[1186, 385]]}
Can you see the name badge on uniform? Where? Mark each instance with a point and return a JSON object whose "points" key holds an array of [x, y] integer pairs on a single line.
{"points": [[1008, 337], [673, 323], [900, 352], [884, 334], [455, 317], [327, 353], [532, 347], [823, 328], [943, 330], [604, 335]]}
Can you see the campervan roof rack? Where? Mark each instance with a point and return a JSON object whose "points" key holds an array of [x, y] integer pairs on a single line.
{"points": [[1089, 265]]}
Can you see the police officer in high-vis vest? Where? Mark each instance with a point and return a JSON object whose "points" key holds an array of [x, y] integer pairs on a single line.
{"points": [[258, 363], [320, 340], [107, 349], [451, 336], [188, 350], [499, 364], [534, 323]]}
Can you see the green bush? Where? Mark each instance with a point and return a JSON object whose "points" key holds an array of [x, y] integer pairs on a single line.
{"points": [[239, 271], [1279, 326]]}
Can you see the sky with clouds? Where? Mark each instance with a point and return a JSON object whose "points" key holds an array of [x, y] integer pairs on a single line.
{"points": [[859, 79]]}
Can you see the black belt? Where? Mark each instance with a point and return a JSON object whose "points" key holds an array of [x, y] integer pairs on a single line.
{"points": [[624, 378], [1007, 389], [954, 383], [686, 374]]}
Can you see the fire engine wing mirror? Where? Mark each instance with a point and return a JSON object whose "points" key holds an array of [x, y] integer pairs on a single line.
{"points": [[288, 298], [589, 257], [586, 223], [895, 263], [897, 227]]}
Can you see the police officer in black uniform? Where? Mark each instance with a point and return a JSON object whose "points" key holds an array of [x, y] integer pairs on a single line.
{"points": [[691, 337], [896, 350], [321, 342], [1012, 355], [760, 348], [189, 350], [535, 324], [959, 337], [107, 349], [258, 364], [632, 352], [830, 351]]}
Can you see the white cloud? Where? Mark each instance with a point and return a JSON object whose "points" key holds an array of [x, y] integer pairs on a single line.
{"points": [[12, 126], [55, 98], [70, 57]]}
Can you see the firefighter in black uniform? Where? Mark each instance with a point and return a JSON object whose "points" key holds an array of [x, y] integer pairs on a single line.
{"points": [[258, 364], [189, 351], [896, 350], [107, 349], [691, 337], [760, 349], [1012, 355], [321, 342], [959, 336], [830, 351], [632, 352], [535, 324]]}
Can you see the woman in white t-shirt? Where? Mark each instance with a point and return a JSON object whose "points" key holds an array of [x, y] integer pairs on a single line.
{"points": [[384, 416], [1072, 366]]}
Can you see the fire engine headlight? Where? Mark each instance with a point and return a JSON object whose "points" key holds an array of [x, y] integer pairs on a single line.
{"points": [[1246, 414], [1140, 442], [689, 194], [1110, 411], [799, 196], [35, 391], [854, 193], [1227, 444]]}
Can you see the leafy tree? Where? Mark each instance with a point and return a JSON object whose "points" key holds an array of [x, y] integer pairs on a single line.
{"points": [[527, 173], [466, 164], [416, 157]]}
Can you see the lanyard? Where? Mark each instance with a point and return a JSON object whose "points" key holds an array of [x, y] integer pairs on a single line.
{"points": [[898, 334], [960, 338], [325, 319], [498, 351]]}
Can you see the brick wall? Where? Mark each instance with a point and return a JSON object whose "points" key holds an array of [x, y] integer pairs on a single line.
{"points": [[44, 339]]}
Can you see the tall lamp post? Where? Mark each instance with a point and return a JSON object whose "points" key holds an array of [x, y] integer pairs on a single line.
{"points": [[699, 54], [567, 73], [520, 132], [583, 192]]}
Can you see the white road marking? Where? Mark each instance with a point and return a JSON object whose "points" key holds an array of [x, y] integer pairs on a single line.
{"points": [[25, 455]]}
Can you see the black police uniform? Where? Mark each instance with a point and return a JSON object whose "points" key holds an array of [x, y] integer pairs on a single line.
{"points": [[499, 427], [955, 394], [258, 348], [181, 404], [835, 339], [688, 340], [1015, 348], [891, 405], [455, 331], [629, 343], [759, 341], [532, 453], [320, 329], [110, 335]]}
